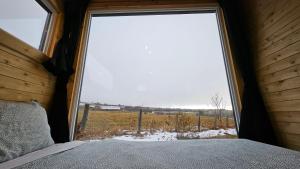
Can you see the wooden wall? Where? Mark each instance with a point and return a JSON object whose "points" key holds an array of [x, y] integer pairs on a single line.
{"points": [[274, 29], [22, 77], [144, 4]]}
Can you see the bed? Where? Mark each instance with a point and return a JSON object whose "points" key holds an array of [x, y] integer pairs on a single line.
{"points": [[215, 153], [26, 144]]}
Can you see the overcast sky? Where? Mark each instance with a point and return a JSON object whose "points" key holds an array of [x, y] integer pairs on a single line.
{"points": [[25, 19], [157, 60]]}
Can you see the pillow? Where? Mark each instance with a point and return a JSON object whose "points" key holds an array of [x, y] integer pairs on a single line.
{"points": [[23, 128]]}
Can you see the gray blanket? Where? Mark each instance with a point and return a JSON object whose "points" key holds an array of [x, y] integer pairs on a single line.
{"points": [[207, 154]]}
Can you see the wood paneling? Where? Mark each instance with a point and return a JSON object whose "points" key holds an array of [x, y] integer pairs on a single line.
{"points": [[280, 65], [288, 73], [292, 94], [146, 4], [9, 41], [286, 116], [274, 29], [22, 77]]}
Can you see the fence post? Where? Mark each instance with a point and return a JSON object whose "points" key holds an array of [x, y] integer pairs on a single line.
{"points": [[199, 122], [140, 121], [176, 123], [84, 117], [227, 121]]}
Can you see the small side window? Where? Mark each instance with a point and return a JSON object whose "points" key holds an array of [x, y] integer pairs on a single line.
{"points": [[27, 20]]}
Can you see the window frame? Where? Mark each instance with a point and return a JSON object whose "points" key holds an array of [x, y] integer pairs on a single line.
{"points": [[83, 44], [51, 31], [50, 10], [54, 9]]}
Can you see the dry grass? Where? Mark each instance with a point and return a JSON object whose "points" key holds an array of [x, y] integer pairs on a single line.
{"points": [[103, 124]]}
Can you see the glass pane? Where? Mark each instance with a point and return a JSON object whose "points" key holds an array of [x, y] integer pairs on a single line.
{"points": [[24, 19], [155, 78]]}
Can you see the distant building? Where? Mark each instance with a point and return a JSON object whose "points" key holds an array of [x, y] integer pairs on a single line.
{"points": [[109, 107]]}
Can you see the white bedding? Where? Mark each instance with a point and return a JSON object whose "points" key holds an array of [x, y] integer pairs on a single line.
{"points": [[54, 149]]}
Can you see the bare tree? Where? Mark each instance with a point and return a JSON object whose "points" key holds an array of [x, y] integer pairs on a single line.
{"points": [[217, 101]]}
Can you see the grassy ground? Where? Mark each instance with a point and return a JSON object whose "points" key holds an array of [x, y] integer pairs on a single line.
{"points": [[105, 124]]}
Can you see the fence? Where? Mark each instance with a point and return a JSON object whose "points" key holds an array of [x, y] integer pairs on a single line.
{"points": [[106, 123]]}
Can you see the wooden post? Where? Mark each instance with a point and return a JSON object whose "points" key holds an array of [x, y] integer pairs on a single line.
{"points": [[199, 124], [140, 121], [84, 117], [227, 121], [176, 123]]}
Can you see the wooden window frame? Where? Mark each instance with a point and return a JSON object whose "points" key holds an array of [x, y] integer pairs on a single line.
{"points": [[231, 69], [52, 33], [54, 25]]}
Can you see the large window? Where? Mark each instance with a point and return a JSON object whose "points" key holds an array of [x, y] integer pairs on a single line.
{"points": [[27, 20], [154, 78]]}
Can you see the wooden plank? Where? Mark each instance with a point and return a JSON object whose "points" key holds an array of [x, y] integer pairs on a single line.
{"points": [[271, 11], [261, 8], [5, 49], [275, 38], [291, 105], [16, 73], [143, 4], [293, 94], [290, 128], [16, 84], [290, 141], [135, 2], [55, 33], [280, 34], [284, 74], [282, 43], [277, 56], [281, 85], [15, 44], [281, 10], [280, 65], [19, 62], [147, 4], [292, 146], [260, 15], [282, 22], [293, 139], [57, 5], [14, 95], [289, 116]]}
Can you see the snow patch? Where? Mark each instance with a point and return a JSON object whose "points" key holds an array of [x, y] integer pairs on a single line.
{"points": [[173, 136]]}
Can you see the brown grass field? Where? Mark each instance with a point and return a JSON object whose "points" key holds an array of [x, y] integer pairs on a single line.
{"points": [[105, 124]]}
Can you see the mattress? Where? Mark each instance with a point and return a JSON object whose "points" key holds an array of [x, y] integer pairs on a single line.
{"points": [[206, 153]]}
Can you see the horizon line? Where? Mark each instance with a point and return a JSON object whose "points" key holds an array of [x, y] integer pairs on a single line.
{"points": [[190, 107]]}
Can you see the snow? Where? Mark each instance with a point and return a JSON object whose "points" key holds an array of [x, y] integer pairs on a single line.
{"points": [[159, 136], [172, 136]]}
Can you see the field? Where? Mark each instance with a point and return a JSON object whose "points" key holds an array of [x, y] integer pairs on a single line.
{"points": [[107, 124]]}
